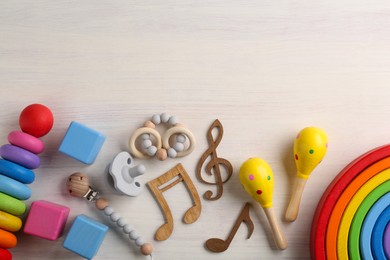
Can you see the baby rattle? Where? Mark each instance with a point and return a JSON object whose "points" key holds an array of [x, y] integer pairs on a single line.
{"points": [[162, 148], [258, 181], [78, 185], [310, 147]]}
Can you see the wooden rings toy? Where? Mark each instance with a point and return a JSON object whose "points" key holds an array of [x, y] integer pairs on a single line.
{"points": [[26, 141], [19, 157], [350, 209], [11, 205], [162, 148], [16, 172]]}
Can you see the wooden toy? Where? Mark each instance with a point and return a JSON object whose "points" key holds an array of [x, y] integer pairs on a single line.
{"points": [[46, 220], [162, 149], [378, 251], [36, 120], [11, 205], [373, 204], [258, 181], [19, 156], [7, 239], [124, 172], [333, 192], [344, 200], [85, 236], [310, 147], [26, 141], [9, 222], [364, 242], [177, 174], [218, 245], [14, 188], [386, 241], [82, 143], [16, 172], [215, 162], [369, 186], [78, 186], [5, 254]]}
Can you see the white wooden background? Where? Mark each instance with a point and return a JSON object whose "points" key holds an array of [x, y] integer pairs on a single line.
{"points": [[265, 68]]}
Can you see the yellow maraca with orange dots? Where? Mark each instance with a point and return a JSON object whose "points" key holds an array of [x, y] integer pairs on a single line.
{"points": [[257, 179], [310, 147]]}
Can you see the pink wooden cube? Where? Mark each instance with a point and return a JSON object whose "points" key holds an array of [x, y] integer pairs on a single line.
{"points": [[46, 220]]}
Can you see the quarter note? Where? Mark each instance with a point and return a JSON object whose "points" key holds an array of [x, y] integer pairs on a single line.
{"points": [[192, 214], [218, 245], [213, 166]]}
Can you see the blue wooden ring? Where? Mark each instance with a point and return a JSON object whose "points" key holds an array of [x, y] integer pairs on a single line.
{"points": [[368, 225], [20, 156], [14, 188], [378, 251], [17, 172]]}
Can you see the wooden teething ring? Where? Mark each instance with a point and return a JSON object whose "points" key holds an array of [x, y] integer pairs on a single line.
{"points": [[138, 133], [179, 130]]}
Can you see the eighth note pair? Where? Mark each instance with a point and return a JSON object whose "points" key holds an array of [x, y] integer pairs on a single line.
{"points": [[256, 177]]}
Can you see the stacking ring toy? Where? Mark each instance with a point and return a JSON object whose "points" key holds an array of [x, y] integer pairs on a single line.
{"points": [[342, 237], [9, 222], [26, 141], [5, 254], [373, 204], [16, 172], [14, 188], [7, 239], [386, 241], [377, 235], [11, 205], [361, 180], [162, 149], [20, 156]]}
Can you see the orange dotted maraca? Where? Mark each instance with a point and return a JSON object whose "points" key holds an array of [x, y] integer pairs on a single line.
{"points": [[257, 179], [310, 147]]}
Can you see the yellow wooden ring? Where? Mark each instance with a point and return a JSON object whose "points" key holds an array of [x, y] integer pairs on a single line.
{"points": [[9, 222], [179, 130], [140, 131], [353, 205]]}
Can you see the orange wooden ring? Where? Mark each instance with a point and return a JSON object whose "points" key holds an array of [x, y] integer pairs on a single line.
{"points": [[333, 192], [7, 239], [342, 203]]}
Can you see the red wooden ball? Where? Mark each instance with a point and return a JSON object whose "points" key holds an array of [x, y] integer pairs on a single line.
{"points": [[36, 120]]}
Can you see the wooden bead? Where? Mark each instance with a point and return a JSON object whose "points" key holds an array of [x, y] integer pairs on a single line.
{"points": [[101, 203], [147, 249], [149, 124], [78, 184], [161, 154]]}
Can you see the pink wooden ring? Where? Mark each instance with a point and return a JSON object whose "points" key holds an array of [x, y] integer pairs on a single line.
{"points": [[26, 141]]}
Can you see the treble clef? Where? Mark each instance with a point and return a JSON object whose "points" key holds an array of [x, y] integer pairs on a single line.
{"points": [[214, 163]]}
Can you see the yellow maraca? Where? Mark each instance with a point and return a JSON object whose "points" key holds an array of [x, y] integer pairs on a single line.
{"points": [[310, 147], [257, 179]]}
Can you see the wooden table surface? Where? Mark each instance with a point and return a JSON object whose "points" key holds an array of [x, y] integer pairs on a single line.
{"points": [[265, 69]]}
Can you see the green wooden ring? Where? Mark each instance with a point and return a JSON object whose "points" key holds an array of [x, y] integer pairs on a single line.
{"points": [[357, 222], [11, 205]]}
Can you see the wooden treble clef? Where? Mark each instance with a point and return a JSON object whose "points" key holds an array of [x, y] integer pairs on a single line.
{"points": [[212, 166]]}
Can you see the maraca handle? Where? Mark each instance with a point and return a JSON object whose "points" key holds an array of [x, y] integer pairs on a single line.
{"points": [[280, 240], [295, 201]]}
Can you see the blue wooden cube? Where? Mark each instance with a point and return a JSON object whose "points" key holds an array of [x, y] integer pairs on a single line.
{"points": [[85, 236], [82, 143]]}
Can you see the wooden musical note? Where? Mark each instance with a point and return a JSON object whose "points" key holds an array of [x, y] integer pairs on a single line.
{"points": [[213, 166], [218, 245], [191, 215]]}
